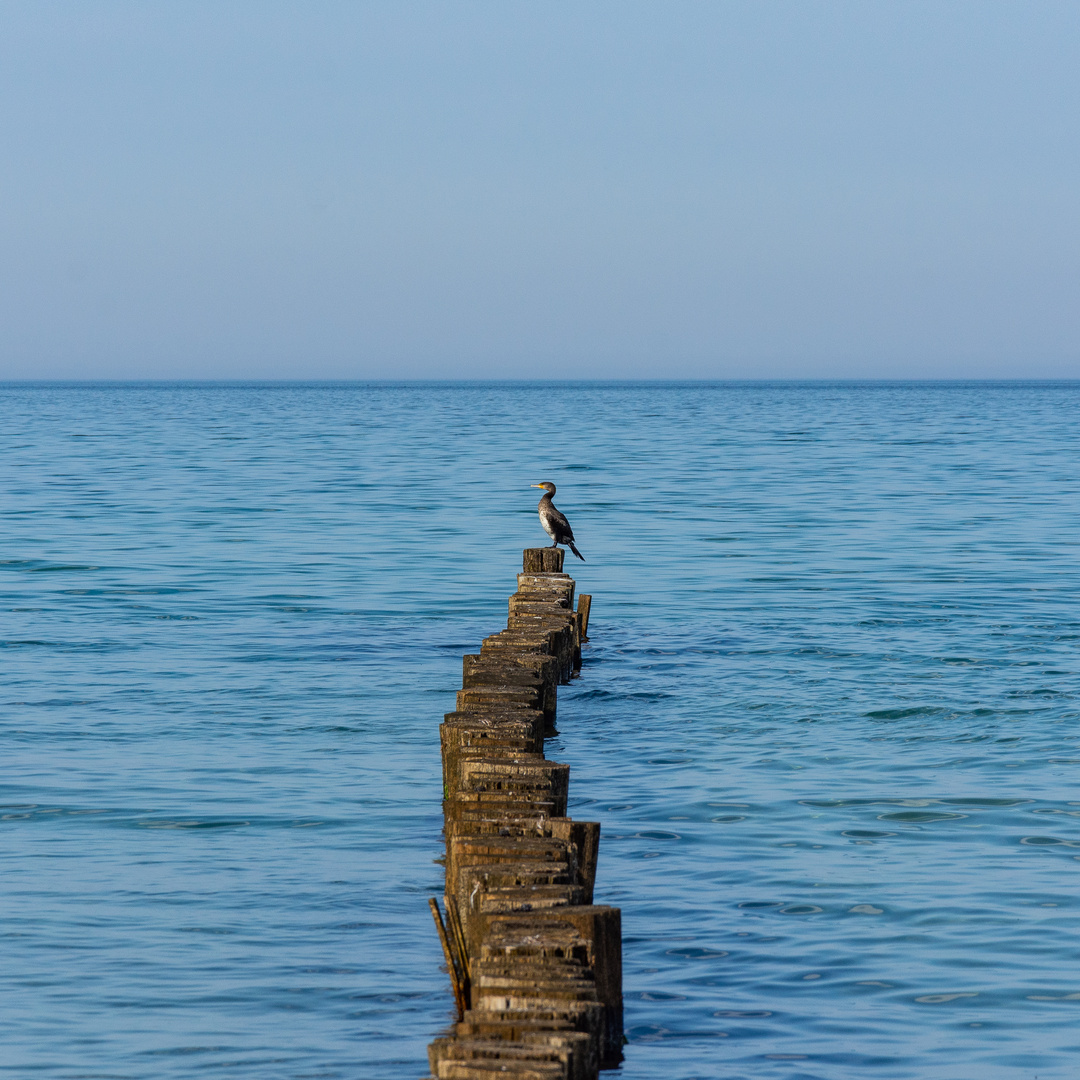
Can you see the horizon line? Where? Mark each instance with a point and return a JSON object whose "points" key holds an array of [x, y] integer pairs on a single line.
{"points": [[511, 381]]}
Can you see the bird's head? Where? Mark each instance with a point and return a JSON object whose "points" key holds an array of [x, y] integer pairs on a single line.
{"points": [[547, 485]]}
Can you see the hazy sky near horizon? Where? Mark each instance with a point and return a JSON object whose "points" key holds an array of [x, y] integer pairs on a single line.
{"points": [[491, 188]]}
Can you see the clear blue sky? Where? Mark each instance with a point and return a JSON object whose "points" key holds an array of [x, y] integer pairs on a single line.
{"points": [[475, 188]]}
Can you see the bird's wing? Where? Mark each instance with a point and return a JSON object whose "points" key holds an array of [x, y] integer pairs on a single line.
{"points": [[558, 519]]}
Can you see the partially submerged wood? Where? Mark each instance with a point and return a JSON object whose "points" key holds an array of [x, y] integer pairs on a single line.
{"points": [[537, 967], [480, 805], [516, 899], [526, 633], [583, 605], [523, 668], [494, 748], [499, 889], [545, 589], [534, 938], [526, 776], [531, 720], [599, 928], [495, 1070], [582, 1017], [546, 604], [473, 698], [564, 625], [454, 961], [491, 849], [569, 1050], [585, 1016], [489, 733], [584, 836], [511, 986]]}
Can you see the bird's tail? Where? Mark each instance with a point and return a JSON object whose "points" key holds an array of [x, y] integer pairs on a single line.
{"points": [[570, 545]]}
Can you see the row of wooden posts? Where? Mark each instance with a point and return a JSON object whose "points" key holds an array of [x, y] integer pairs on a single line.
{"points": [[536, 966]]}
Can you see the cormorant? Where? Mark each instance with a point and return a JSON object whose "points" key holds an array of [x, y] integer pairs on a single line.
{"points": [[554, 522]]}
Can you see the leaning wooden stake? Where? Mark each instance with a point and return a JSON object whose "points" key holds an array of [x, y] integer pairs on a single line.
{"points": [[456, 977], [536, 966]]}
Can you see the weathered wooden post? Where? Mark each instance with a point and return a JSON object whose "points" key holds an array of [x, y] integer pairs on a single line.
{"points": [[536, 966], [545, 560], [583, 605]]}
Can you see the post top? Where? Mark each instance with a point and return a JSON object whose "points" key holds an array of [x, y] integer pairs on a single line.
{"points": [[543, 560]]}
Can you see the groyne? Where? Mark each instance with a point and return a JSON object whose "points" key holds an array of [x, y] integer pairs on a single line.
{"points": [[535, 965]]}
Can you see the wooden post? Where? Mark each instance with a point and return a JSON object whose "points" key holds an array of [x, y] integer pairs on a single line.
{"points": [[536, 966], [583, 604], [457, 978], [545, 560]]}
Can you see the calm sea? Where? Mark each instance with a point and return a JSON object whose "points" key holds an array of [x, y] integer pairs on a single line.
{"points": [[828, 718]]}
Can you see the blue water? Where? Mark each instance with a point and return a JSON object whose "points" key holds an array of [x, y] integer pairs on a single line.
{"points": [[828, 718]]}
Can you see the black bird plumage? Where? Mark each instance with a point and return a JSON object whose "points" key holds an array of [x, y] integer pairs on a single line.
{"points": [[554, 521]]}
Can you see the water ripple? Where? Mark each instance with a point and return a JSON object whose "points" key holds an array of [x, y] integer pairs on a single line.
{"points": [[827, 717]]}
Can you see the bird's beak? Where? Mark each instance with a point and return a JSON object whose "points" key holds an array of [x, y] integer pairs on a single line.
{"points": [[536, 485]]}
